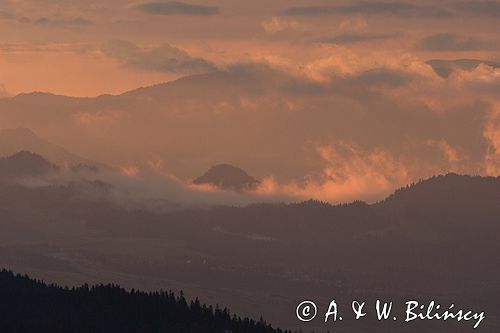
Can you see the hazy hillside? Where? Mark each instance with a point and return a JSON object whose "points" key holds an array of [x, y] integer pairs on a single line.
{"points": [[434, 239], [19, 139], [33, 306], [25, 165]]}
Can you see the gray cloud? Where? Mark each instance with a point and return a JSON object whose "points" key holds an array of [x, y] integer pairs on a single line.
{"points": [[73, 22], [42, 20], [57, 21], [383, 77], [63, 22], [4, 15], [177, 8], [392, 8], [445, 68], [356, 38], [480, 8], [24, 19], [454, 42], [165, 58]]}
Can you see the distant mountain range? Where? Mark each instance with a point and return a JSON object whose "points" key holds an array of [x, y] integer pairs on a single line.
{"points": [[262, 119], [228, 177]]}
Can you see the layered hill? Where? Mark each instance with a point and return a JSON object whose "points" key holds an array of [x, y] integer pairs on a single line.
{"points": [[436, 239]]}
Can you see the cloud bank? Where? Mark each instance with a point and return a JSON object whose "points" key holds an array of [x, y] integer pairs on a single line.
{"points": [[177, 8], [402, 9], [457, 43], [358, 38], [165, 58]]}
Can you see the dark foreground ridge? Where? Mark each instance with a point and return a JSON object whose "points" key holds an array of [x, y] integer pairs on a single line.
{"points": [[27, 305]]}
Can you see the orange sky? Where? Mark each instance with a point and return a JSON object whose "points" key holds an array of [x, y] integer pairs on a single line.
{"points": [[62, 46]]}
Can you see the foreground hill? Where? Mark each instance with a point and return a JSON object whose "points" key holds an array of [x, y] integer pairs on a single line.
{"points": [[27, 305]]}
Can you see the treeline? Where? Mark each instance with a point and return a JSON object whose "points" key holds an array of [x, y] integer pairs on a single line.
{"points": [[27, 305]]}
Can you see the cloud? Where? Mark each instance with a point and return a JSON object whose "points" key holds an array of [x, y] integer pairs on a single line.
{"points": [[345, 62], [165, 58], [353, 24], [483, 80], [352, 173], [455, 42], [64, 22], [177, 8], [480, 8], [382, 77], [47, 47], [151, 187], [278, 24], [3, 92], [42, 20], [6, 15], [24, 19], [445, 68], [373, 8], [349, 173], [129, 170], [454, 158], [492, 135], [358, 37], [59, 21]]}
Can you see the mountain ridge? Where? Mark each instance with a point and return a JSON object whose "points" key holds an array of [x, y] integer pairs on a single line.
{"points": [[13, 140]]}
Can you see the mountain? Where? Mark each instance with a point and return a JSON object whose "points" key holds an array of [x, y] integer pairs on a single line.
{"points": [[23, 139], [33, 306], [25, 164], [445, 68], [227, 177]]}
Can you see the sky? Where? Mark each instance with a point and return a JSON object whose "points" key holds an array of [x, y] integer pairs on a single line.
{"points": [[336, 100], [87, 48]]}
